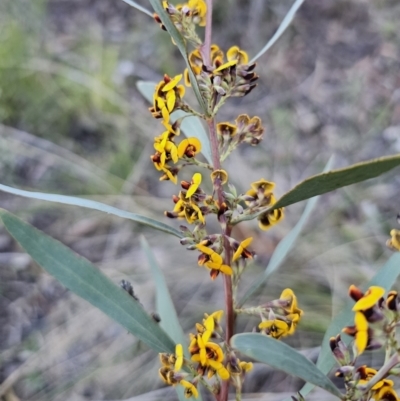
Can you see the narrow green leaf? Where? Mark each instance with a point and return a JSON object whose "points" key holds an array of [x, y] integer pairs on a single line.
{"points": [[322, 183], [138, 7], [179, 41], [285, 246], [191, 126], [280, 356], [165, 307], [385, 278], [282, 28], [85, 280], [86, 203]]}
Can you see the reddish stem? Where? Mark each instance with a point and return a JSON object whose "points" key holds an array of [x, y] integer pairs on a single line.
{"points": [[230, 315]]}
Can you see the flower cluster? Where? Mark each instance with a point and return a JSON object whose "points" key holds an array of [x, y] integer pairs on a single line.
{"points": [[283, 316], [357, 380], [166, 99], [185, 18], [210, 359], [375, 322], [223, 78], [260, 196]]}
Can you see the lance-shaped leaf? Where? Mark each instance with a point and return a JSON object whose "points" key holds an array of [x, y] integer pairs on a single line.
{"points": [[326, 182], [282, 28], [280, 356], [179, 41], [284, 246], [385, 278], [85, 280], [87, 203], [165, 306], [191, 125]]}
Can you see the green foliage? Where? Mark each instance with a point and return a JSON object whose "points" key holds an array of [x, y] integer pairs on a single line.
{"points": [[165, 307], [85, 280], [280, 356], [87, 203], [326, 182]]}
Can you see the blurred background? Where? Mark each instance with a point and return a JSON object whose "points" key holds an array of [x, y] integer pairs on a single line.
{"points": [[72, 122]]}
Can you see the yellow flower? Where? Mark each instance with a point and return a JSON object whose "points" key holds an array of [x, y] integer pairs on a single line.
{"points": [[210, 355], [359, 331], [221, 174], [212, 260], [189, 147], [199, 11], [275, 328], [165, 97], [234, 53], [226, 129], [383, 390], [170, 173], [246, 366], [269, 219], [167, 147], [241, 251], [179, 356], [370, 298], [225, 66], [196, 181], [190, 389], [386, 393], [291, 299], [394, 242], [263, 186]]}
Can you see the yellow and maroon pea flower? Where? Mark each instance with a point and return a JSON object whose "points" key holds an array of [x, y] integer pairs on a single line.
{"points": [[213, 261], [288, 301], [393, 301], [186, 209], [234, 53], [382, 390], [167, 97], [194, 185], [262, 188], [270, 219], [394, 242], [385, 393], [276, 328], [241, 251], [226, 131], [170, 173], [219, 177], [190, 389], [369, 299], [369, 303], [198, 10], [189, 147]]}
